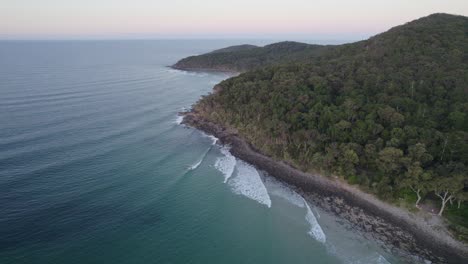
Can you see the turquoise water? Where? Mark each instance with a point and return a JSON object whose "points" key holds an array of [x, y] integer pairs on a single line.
{"points": [[94, 167]]}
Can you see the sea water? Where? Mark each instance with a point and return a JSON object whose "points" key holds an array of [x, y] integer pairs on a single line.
{"points": [[95, 167]]}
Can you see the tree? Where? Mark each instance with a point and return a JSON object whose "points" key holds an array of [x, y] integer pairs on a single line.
{"points": [[390, 160], [390, 116], [457, 119], [348, 161], [447, 189], [417, 180], [461, 197], [415, 177], [418, 153], [399, 107]]}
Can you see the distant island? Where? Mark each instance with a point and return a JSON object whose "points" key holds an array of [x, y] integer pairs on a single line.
{"points": [[388, 114]]}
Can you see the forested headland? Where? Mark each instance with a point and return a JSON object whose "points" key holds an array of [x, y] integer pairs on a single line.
{"points": [[243, 58], [389, 114]]}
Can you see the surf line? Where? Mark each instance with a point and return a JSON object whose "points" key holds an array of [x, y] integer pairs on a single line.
{"points": [[199, 162]]}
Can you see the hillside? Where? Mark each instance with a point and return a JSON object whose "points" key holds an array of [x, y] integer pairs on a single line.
{"points": [[236, 48], [242, 58], [389, 113]]}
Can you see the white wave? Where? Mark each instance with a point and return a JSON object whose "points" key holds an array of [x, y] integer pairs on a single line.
{"points": [[226, 163], [170, 70], [315, 229], [317, 212], [379, 259], [200, 74], [331, 249], [179, 119], [282, 190], [213, 138], [247, 182], [194, 166], [175, 71], [382, 260], [188, 73]]}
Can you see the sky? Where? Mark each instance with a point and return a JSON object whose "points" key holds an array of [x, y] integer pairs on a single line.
{"points": [[148, 19]]}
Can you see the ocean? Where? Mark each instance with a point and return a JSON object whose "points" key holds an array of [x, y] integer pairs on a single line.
{"points": [[96, 168]]}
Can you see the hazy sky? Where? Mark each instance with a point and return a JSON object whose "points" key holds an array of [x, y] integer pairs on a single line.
{"points": [[333, 19]]}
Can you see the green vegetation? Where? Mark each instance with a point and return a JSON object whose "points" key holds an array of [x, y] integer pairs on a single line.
{"points": [[457, 217], [238, 48], [389, 113], [247, 57]]}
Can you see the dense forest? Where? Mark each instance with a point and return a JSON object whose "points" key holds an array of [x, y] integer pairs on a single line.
{"points": [[389, 113], [242, 58]]}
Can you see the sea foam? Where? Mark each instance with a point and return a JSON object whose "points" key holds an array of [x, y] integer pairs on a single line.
{"points": [[186, 73], [226, 163], [213, 138], [279, 189], [382, 260], [284, 191], [315, 229], [374, 258], [248, 182], [179, 119], [194, 166]]}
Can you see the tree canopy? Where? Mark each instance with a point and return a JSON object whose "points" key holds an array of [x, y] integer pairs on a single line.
{"points": [[247, 57], [387, 113]]}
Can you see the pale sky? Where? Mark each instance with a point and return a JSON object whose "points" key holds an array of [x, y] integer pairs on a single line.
{"points": [[121, 19]]}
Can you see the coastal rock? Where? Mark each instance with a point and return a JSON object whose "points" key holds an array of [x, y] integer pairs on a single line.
{"points": [[394, 229]]}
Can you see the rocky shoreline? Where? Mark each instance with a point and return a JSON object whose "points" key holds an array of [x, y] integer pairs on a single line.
{"points": [[228, 70], [396, 229]]}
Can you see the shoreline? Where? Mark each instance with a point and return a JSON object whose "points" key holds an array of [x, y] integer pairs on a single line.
{"points": [[229, 72], [395, 227]]}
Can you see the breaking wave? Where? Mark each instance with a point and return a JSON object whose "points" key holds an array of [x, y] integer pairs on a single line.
{"points": [[315, 229], [317, 213], [379, 259], [226, 163], [248, 182], [382, 260], [282, 190], [187, 73], [179, 119], [213, 138], [194, 166]]}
